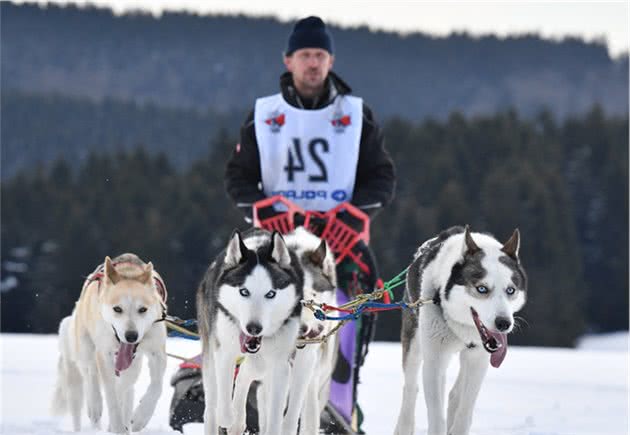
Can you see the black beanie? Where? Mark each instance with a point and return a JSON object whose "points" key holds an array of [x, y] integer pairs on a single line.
{"points": [[309, 32]]}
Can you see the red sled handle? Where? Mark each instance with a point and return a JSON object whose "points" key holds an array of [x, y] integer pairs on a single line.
{"points": [[341, 237]]}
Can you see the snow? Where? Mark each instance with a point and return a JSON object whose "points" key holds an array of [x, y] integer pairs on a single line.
{"points": [[610, 341], [537, 391]]}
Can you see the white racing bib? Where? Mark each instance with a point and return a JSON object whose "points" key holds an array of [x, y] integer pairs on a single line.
{"points": [[309, 156]]}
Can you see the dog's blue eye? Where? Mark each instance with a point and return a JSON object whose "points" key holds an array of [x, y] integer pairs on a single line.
{"points": [[510, 290], [142, 310], [482, 289], [117, 309], [244, 292], [270, 294]]}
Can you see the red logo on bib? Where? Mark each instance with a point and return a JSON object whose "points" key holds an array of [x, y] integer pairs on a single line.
{"points": [[275, 121], [340, 122]]}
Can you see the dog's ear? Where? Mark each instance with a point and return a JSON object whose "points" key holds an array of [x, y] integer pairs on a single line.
{"points": [[147, 274], [318, 256], [111, 274], [279, 251], [471, 246], [236, 250], [512, 246]]}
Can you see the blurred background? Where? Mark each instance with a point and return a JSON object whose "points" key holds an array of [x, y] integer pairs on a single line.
{"points": [[117, 121]]}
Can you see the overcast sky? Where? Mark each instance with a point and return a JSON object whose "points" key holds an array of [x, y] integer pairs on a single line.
{"points": [[555, 19]]}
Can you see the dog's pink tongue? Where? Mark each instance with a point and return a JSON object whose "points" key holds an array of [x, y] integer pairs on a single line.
{"points": [[496, 358], [124, 356], [243, 339]]}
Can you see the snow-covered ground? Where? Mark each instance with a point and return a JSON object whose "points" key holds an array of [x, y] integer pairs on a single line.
{"points": [[535, 392]]}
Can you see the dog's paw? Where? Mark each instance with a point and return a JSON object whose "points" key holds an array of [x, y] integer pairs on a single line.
{"points": [[139, 420], [118, 428], [237, 428], [94, 415]]}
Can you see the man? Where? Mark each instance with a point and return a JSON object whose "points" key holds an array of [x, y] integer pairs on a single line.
{"points": [[319, 146], [313, 142]]}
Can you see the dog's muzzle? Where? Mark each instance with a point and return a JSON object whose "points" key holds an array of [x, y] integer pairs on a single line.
{"points": [[250, 344], [493, 342]]}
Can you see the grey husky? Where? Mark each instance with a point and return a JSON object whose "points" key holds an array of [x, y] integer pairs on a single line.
{"points": [[249, 303], [476, 284]]}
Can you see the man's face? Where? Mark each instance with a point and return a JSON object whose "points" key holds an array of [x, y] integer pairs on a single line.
{"points": [[310, 67]]}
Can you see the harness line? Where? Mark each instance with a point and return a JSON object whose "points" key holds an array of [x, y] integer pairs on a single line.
{"points": [[363, 303]]}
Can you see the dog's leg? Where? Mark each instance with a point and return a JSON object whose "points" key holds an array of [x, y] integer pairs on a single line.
{"points": [[146, 406], [277, 389], [87, 365], [224, 366], [125, 382], [474, 365], [106, 369], [412, 360], [309, 423], [434, 382], [239, 402], [261, 402], [208, 373], [94, 398], [301, 377], [127, 395], [74, 382]]}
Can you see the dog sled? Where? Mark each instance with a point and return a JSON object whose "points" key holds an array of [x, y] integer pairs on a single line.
{"points": [[346, 230]]}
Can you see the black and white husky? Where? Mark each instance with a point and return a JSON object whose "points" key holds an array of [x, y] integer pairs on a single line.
{"points": [[313, 364], [249, 303], [477, 284]]}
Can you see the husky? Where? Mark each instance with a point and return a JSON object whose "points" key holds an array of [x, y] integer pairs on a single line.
{"points": [[249, 303], [313, 364], [116, 320], [476, 285]]}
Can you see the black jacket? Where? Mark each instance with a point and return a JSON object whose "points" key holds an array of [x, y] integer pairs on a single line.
{"points": [[375, 178]]}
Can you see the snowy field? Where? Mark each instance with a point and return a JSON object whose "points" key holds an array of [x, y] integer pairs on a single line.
{"points": [[535, 392]]}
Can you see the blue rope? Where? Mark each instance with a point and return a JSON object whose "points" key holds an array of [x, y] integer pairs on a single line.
{"points": [[320, 315]]}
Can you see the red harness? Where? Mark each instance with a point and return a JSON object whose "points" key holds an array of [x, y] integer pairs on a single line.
{"points": [[99, 273]]}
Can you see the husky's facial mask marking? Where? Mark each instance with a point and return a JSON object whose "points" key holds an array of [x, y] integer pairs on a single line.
{"points": [[257, 288], [485, 289]]}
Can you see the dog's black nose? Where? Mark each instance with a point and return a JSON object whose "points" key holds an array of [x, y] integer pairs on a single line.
{"points": [[502, 323], [253, 328], [131, 336]]}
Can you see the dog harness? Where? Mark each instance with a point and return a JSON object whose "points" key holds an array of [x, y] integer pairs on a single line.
{"points": [[99, 273]]}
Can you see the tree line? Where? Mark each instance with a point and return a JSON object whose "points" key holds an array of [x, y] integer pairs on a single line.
{"points": [[564, 184], [225, 62]]}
